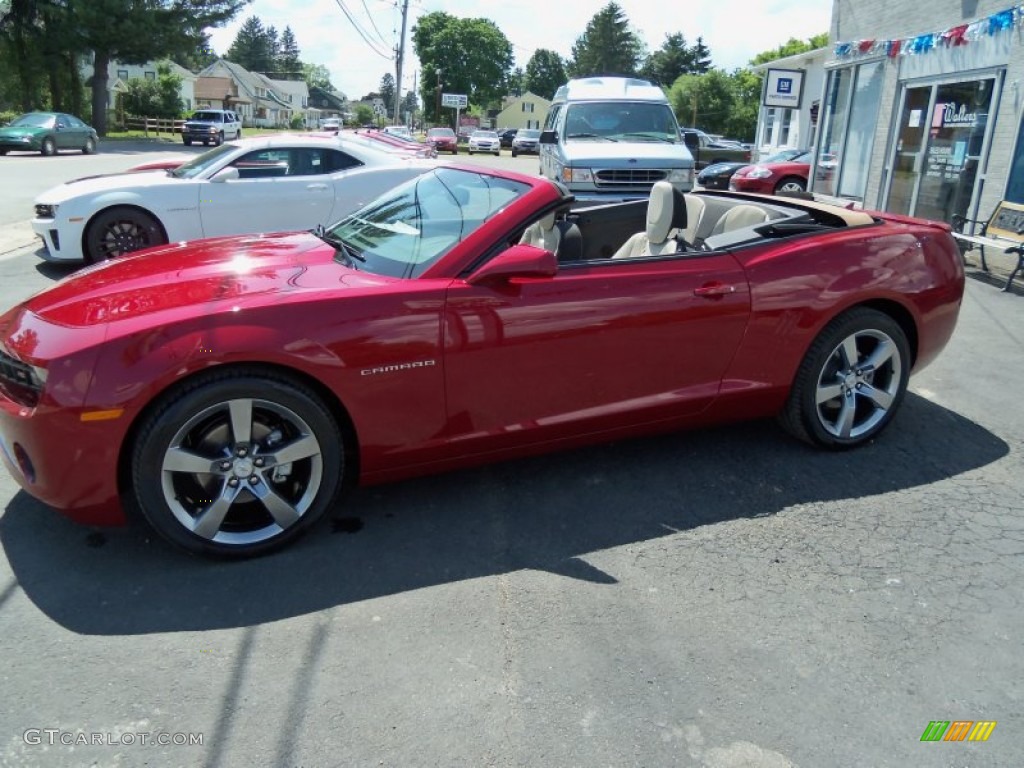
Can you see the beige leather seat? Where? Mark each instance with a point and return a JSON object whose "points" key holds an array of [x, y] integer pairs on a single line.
{"points": [[694, 216], [543, 234], [666, 212], [738, 217]]}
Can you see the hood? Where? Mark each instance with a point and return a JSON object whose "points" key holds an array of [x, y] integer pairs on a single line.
{"points": [[122, 182], [627, 154], [205, 276]]}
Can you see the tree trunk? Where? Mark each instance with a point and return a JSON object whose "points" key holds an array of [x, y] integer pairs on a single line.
{"points": [[56, 86], [76, 84], [100, 69], [26, 72]]}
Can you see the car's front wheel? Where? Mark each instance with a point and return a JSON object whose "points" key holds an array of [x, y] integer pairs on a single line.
{"points": [[117, 231], [90, 146], [236, 463], [48, 148], [790, 184], [219, 139], [851, 381]]}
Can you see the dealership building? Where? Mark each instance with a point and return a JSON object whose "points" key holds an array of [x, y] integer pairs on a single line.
{"points": [[914, 108]]}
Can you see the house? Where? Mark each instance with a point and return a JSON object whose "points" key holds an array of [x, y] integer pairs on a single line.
{"points": [[118, 76], [526, 111], [252, 96], [296, 93], [330, 103]]}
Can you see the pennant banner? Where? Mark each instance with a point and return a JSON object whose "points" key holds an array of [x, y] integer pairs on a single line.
{"points": [[963, 34]]}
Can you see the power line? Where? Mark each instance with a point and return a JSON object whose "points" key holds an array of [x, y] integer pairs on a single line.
{"points": [[362, 34], [373, 24]]}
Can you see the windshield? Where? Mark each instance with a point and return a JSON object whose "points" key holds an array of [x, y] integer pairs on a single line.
{"points": [[484, 135], [403, 232], [618, 120], [530, 134], [788, 154], [439, 132], [200, 163], [208, 117], [34, 120]]}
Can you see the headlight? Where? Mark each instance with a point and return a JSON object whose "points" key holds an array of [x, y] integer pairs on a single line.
{"points": [[680, 175], [759, 173], [44, 211], [577, 175]]}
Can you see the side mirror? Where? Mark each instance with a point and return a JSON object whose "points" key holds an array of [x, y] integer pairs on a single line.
{"points": [[225, 174], [517, 261], [548, 137]]}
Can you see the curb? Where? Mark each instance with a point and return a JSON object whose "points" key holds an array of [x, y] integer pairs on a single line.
{"points": [[15, 237]]}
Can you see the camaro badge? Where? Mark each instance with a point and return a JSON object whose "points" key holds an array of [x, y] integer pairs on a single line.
{"points": [[397, 367]]}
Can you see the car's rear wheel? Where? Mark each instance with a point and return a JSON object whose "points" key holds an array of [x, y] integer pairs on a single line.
{"points": [[186, 141], [48, 148], [236, 464], [851, 381], [791, 184], [117, 231], [90, 146]]}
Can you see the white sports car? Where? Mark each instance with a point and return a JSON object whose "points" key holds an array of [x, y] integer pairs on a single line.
{"points": [[269, 184]]}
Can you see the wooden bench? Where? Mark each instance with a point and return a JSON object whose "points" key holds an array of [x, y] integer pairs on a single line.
{"points": [[1003, 230]]}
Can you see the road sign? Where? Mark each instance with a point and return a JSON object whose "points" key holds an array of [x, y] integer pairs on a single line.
{"points": [[457, 100]]}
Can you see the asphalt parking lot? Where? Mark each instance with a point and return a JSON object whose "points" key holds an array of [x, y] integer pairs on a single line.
{"points": [[722, 598]]}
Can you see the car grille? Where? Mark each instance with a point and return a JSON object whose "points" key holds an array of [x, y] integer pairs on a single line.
{"points": [[18, 381], [629, 177]]}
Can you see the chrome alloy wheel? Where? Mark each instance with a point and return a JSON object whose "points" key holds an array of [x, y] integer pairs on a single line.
{"points": [[242, 471], [858, 384]]}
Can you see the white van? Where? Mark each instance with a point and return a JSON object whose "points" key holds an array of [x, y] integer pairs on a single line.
{"points": [[612, 138]]}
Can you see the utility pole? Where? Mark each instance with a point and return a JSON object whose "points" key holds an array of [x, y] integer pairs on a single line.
{"points": [[401, 56]]}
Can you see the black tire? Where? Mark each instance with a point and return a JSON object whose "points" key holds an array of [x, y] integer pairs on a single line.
{"points": [[514, 153], [90, 146], [186, 141], [498, 153], [219, 139], [117, 231], [238, 135], [839, 403], [791, 184], [48, 148], [220, 512], [3, 152]]}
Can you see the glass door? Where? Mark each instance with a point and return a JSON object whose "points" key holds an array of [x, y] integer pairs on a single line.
{"points": [[906, 167], [941, 140]]}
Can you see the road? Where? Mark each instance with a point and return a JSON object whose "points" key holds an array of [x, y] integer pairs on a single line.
{"points": [[720, 598]]}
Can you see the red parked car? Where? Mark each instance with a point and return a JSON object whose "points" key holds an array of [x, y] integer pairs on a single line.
{"points": [[399, 143], [774, 176], [228, 388], [443, 139]]}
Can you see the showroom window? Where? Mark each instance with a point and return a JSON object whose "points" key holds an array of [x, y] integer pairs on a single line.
{"points": [[852, 97]]}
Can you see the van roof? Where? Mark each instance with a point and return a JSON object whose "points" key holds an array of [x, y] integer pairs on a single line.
{"points": [[609, 88]]}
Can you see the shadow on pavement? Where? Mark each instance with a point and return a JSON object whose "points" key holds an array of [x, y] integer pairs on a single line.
{"points": [[543, 513]]}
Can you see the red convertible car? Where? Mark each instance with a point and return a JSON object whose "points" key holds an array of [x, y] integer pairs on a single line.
{"points": [[227, 389]]}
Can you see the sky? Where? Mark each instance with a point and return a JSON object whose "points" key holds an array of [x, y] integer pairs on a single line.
{"points": [[734, 30]]}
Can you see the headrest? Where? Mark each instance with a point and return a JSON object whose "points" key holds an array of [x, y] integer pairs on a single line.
{"points": [[666, 211]]}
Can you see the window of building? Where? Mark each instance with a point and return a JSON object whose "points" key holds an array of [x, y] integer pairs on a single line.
{"points": [[122, 74], [149, 75], [527, 106]]}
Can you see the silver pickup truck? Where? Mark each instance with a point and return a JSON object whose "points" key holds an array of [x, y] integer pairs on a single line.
{"points": [[608, 138]]}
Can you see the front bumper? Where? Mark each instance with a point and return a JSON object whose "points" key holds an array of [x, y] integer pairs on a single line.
{"points": [[60, 242]]}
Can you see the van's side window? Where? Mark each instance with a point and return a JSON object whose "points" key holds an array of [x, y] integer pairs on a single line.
{"points": [[552, 119]]}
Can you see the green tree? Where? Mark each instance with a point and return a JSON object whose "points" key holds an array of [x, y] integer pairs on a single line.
{"points": [[791, 48], [288, 67], [317, 75], [364, 114], [607, 46], [387, 92], [154, 98], [545, 72], [676, 58], [517, 81], [467, 56], [703, 101], [746, 89], [254, 47], [136, 32]]}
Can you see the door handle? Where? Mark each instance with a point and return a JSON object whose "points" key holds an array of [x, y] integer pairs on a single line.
{"points": [[316, 186], [714, 290]]}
